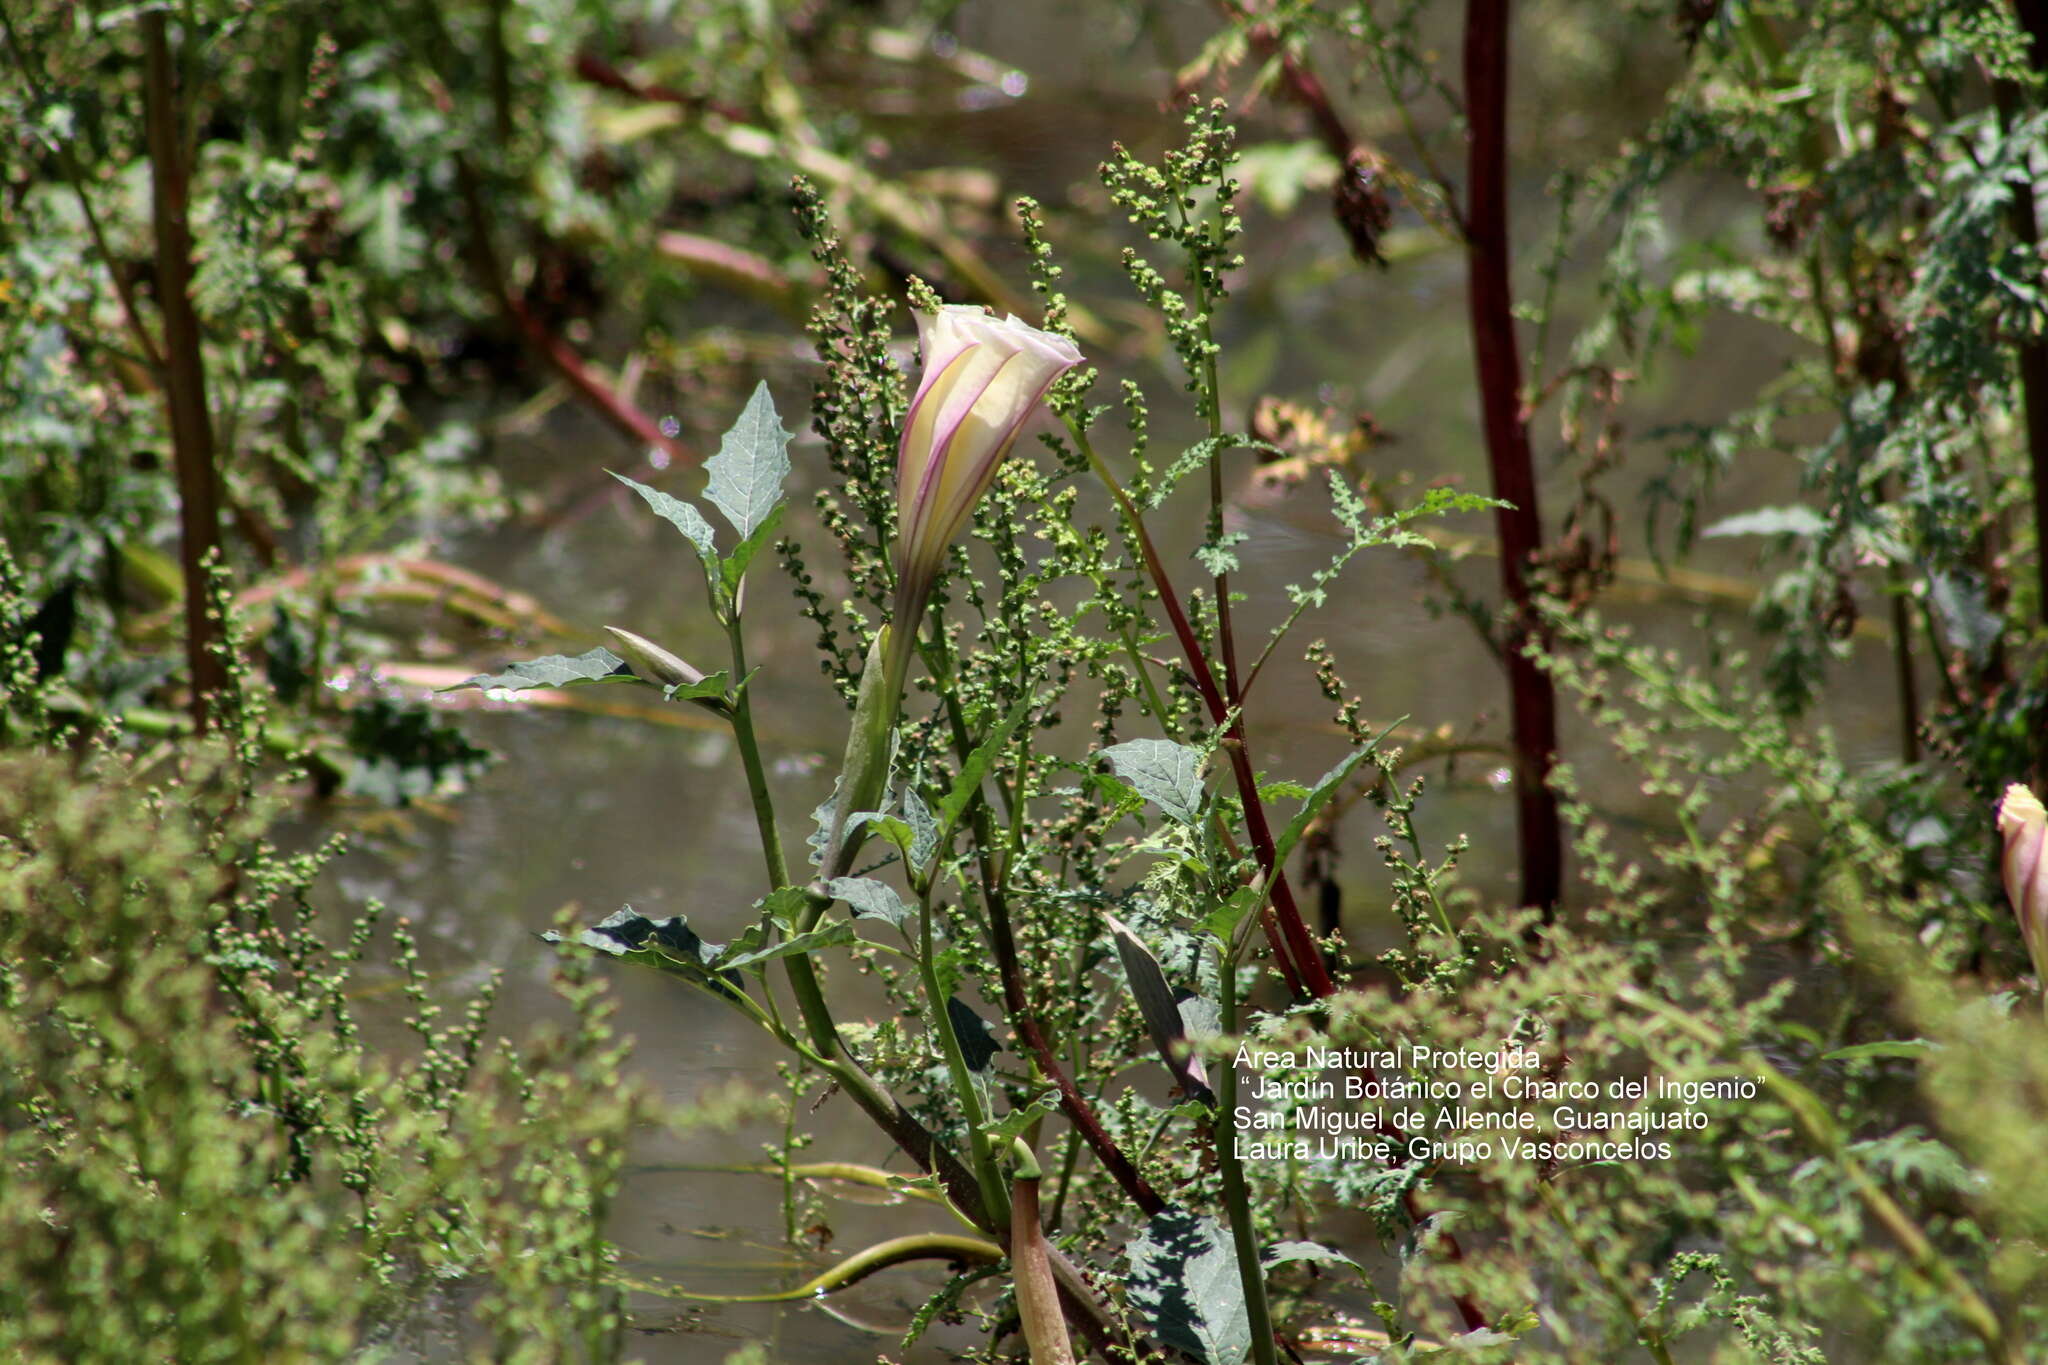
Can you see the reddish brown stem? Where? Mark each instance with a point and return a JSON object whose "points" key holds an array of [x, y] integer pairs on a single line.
{"points": [[1072, 1102], [2033, 351], [598, 71], [608, 402], [1292, 944], [184, 367], [1532, 700]]}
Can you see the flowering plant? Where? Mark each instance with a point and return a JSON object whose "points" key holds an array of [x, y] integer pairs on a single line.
{"points": [[984, 377]]}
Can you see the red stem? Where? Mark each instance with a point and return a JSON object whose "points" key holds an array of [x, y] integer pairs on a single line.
{"points": [[610, 404], [1293, 947], [1533, 701]]}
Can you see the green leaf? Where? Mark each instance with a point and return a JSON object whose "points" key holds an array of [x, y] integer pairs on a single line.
{"points": [[1167, 774], [734, 566], [784, 906], [1284, 1253], [600, 665], [1902, 1047], [893, 828], [1966, 614], [1160, 1011], [1221, 923], [977, 1043], [1277, 172], [954, 804], [833, 935], [924, 831], [708, 688], [1319, 796], [1013, 1124], [870, 899], [679, 514], [1201, 1017], [1792, 520], [1216, 555], [1183, 1278], [1198, 456], [667, 945], [751, 463]]}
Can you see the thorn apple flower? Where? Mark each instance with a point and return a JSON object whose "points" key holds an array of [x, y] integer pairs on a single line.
{"points": [[2023, 824], [984, 378]]}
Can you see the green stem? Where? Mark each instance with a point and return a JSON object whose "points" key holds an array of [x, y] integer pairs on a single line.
{"points": [[750, 758], [824, 1051], [995, 1194], [1236, 1196]]}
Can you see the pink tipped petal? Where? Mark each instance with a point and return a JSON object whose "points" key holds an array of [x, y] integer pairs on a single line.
{"points": [[937, 470], [985, 473], [2023, 824], [920, 423], [983, 379]]}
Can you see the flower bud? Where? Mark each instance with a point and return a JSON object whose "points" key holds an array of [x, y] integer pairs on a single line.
{"points": [[2024, 826], [983, 379], [650, 662]]}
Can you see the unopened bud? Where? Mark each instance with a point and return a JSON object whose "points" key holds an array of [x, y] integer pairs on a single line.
{"points": [[650, 662], [2023, 824]]}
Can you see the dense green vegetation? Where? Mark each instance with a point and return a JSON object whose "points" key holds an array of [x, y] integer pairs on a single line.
{"points": [[304, 309]]}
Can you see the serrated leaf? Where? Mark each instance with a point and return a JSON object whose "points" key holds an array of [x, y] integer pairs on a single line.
{"points": [[893, 828], [1216, 555], [784, 905], [977, 1043], [1013, 1124], [821, 837], [1198, 456], [1965, 614], [1201, 1017], [1168, 775], [870, 899], [600, 665], [1285, 1253], [679, 514], [1221, 923], [924, 831], [1160, 1011], [667, 945], [979, 760], [833, 935], [753, 459], [1792, 520], [1183, 1279]]}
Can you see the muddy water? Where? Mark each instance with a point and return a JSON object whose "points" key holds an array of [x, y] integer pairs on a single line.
{"points": [[597, 812]]}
